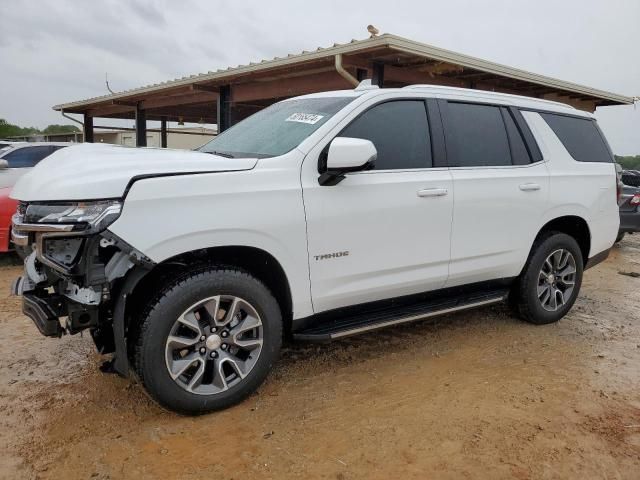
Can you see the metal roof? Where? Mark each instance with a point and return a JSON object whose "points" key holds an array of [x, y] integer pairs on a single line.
{"points": [[385, 41]]}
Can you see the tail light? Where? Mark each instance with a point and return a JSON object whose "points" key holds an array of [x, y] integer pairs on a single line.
{"points": [[635, 200]]}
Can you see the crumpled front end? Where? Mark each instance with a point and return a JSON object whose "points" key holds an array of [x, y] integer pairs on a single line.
{"points": [[74, 267]]}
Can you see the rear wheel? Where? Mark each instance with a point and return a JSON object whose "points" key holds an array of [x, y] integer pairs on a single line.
{"points": [[208, 341], [549, 285]]}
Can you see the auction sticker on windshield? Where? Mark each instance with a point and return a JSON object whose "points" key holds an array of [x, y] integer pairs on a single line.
{"points": [[310, 118]]}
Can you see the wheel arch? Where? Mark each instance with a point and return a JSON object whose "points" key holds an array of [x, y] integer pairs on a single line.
{"points": [[573, 225], [141, 285]]}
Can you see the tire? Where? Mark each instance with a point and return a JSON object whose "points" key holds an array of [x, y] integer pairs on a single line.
{"points": [[207, 296], [620, 237], [535, 279]]}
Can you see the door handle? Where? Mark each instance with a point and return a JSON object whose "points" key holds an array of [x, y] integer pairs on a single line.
{"points": [[529, 187], [432, 192]]}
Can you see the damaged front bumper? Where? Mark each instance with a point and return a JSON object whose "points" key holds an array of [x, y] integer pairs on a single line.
{"points": [[70, 278]]}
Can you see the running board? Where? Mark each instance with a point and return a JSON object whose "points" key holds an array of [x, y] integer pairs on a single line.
{"points": [[347, 326]]}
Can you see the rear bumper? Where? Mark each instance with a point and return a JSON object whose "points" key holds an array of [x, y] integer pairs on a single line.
{"points": [[630, 221]]}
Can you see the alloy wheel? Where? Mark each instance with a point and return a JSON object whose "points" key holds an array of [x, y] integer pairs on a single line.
{"points": [[556, 280], [214, 344]]}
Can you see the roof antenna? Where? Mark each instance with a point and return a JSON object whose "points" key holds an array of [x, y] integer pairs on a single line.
{"points": [[106, 81]]}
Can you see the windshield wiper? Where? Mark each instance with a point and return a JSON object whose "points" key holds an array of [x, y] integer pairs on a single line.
{"points": [[222, 154]]}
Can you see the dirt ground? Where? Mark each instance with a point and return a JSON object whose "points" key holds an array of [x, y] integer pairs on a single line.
{"points": [[473, 395]]}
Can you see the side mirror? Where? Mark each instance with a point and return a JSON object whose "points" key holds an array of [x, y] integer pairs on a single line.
{"points": [[3, 164], [347, 155]]}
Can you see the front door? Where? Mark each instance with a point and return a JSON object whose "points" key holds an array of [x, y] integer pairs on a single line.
{"points": [[384, 232]]}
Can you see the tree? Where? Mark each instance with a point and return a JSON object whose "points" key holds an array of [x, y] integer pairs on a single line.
{"points": [[61, 129], [631, 162], [9, 130]]}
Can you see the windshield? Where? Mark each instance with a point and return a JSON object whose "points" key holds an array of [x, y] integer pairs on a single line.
{"points": [[276, 129]]}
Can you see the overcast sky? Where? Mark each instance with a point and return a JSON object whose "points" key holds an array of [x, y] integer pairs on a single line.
{"points": [[54, 51]]}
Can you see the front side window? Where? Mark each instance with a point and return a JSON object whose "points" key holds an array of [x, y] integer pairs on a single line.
{"points": [[27, 156], [400, 132], [580, 136], [277, 129], [477, 134]]}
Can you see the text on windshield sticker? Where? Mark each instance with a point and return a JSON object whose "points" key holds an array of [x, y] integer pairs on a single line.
{"points": [[310, 118]]}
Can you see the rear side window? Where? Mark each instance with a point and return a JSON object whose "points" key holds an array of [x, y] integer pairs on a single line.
{"points": [[580, 136], [400, 132], [478, 135], [27, 156]]}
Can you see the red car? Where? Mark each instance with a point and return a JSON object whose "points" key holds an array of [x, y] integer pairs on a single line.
{"points": [[15, 160]]}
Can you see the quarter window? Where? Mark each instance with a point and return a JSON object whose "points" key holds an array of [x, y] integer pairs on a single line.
{"points": [[400, 132], [580, 136], [477, 135]]}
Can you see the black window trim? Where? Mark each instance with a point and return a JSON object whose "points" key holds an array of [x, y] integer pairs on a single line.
{"points": [[438, 155], [535, 155]]}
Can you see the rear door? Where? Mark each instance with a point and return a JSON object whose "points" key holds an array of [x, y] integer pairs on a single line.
{"points": [[501, 190], [384, 232]]}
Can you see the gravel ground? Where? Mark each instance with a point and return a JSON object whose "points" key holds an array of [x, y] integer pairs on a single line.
{"points": [[472, 395]]}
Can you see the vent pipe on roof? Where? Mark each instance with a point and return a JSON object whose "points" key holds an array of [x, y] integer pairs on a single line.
{"points": [[343, 73]]}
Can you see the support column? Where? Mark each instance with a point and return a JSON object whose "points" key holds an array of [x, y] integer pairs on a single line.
{"points": [[163, 132], [141, 127], [88, 128], [224, 108], [378, 74], [361, 74]]}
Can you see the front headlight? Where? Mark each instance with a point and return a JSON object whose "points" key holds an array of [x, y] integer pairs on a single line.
{"points": [[95, 215]]}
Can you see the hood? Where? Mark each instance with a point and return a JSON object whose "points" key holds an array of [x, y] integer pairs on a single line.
{"points": [[98, 171]]}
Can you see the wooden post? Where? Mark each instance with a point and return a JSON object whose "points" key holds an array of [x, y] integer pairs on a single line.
{"points": [[163, 132], [224, 108], [88, 128], [378, 74], [361, 74], [141, 127]]}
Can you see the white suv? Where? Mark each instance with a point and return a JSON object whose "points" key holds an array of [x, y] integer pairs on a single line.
{"points": [[319, 217]]}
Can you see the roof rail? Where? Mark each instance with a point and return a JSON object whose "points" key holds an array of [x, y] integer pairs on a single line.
{"points": [[488, 92]]}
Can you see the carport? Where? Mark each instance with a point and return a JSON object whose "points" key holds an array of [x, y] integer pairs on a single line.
{"points": [[226, 96]]}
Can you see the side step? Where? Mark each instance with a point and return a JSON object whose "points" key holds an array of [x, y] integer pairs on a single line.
{"points": [[347, 325]]}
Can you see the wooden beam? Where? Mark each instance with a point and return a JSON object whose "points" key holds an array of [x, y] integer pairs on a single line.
{"points": [[410, 76], [440, 68], [125, 103], [204, 88], [174, 101], [276, 90]]}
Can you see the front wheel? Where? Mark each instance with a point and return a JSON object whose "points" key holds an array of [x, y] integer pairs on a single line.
{"points": [[208, 341], [550, 282]]}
